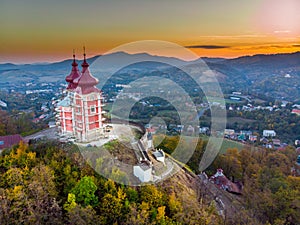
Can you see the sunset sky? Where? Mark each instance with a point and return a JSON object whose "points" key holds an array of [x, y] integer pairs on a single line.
{"points": [[46, 31]]}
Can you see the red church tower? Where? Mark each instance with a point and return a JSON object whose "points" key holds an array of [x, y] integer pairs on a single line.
{"points": [[80, 113]]}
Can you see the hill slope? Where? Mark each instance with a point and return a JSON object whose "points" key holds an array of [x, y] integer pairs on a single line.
{"points": [[276, 75]]}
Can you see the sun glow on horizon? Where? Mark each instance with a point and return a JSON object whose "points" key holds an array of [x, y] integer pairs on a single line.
{"points": [[44, 31]]}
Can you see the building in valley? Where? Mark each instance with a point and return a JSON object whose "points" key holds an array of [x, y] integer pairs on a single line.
{"points": [[80, 113]]}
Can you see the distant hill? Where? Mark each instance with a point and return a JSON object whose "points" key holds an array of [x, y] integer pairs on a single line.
{"points": [[277, 75], [268, 61]]}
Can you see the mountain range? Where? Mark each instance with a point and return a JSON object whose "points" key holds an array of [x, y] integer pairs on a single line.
{"points": [[276, 76]]}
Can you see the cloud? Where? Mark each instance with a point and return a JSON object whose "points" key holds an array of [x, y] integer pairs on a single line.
{"points": [[282, 31], [207, 46], [266, 46], [233, 36]]}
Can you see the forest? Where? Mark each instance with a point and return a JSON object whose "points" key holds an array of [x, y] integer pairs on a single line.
{"points": [[47, 183], [50, 183], [17, 122], [271, 193]]}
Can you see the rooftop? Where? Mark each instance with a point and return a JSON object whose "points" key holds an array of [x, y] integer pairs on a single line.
{"points": [[10, 140]]}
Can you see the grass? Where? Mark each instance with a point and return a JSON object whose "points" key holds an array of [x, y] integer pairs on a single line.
{"points": [[225, 145], [231, 144]]}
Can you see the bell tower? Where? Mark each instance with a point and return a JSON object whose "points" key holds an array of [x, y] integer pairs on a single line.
{"points": [[80, 113]]}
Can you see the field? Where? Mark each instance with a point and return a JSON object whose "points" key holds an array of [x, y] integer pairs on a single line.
{"points": [[225, 145]]}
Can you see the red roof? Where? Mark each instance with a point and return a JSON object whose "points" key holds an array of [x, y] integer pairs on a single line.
{"points": [[86, 83], [73, 75], [296, 111], [222, 182], [10, 140]]}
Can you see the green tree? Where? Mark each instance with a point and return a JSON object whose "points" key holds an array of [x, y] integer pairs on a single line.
{"points": [[84, 192]]}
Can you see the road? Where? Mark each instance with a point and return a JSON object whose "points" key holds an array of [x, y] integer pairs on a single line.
{"points": [[50, 133]]}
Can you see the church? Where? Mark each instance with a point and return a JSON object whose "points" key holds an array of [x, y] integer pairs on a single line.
{"points": [[80, 112]]}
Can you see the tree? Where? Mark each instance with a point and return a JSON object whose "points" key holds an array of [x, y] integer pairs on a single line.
{"points": [[151, 195], [71, 202], [42, 206], [138, 215], [193, 163], [230, 163], [20, 157], [111, 208], [84, 192], [174, 205], [82, 216]]}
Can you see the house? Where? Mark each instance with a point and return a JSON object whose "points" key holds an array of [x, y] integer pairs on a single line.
{"points": [[241, 137], [269, 145], [222, 182], [190, 129], [270, 108], [284, 103], [235, 98], [151, 130], [143, 171], [276, 142], [296, 111], [229, 132], [36, 120], [51, 124], [203, 130], [159, 155], [269, 133], [10, 140], [246, 132], [252, 138], [264, 140], [296, 106], [179, 128]]}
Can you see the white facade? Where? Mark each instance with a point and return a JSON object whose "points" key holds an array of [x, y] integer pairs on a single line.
{"points": [[159, 156], [143, 172], [150, 144], [269, 133], [229, 132]]}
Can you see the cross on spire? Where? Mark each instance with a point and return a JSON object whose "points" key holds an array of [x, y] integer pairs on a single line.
{"points": [[84, 52], [84, 64], [74, 74]]}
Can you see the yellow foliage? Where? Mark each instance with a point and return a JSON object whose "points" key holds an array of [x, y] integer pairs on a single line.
{"points": [[16, 193], [174, 204], [121, 194], [31, 155], [71, 202], [160, 213]]}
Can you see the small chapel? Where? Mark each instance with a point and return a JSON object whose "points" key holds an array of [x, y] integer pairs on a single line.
{"points": [[80, 112]]}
